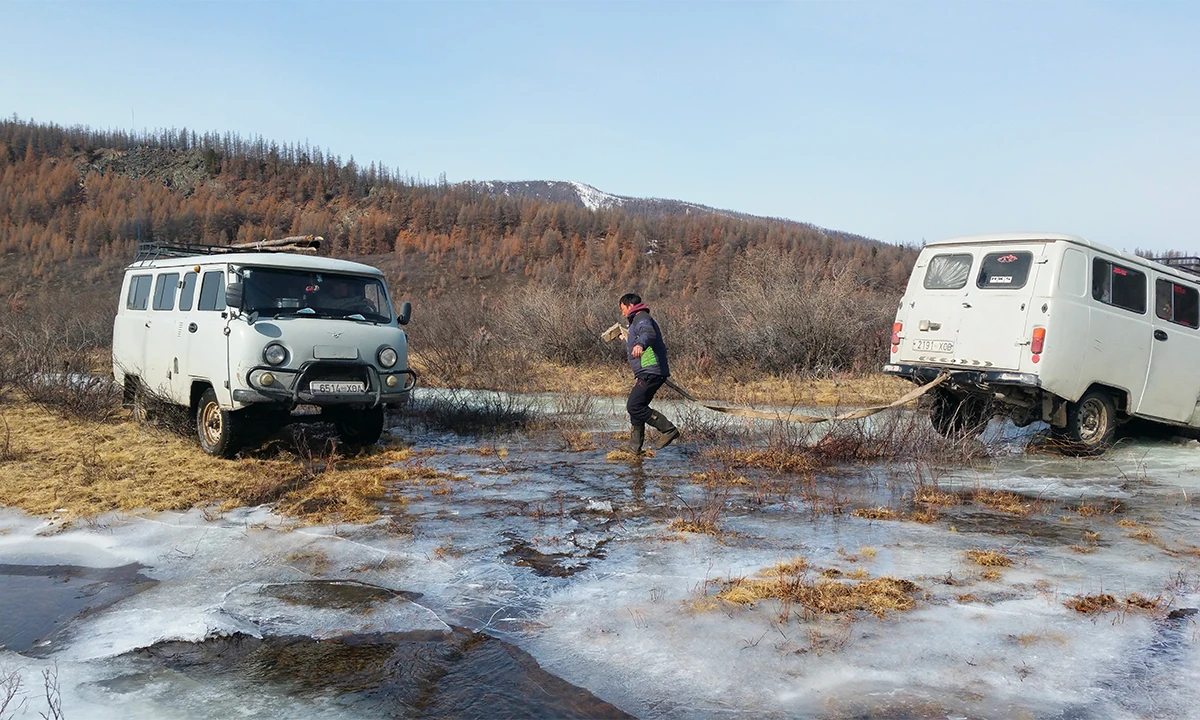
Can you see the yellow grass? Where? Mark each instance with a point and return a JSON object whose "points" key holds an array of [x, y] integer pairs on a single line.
{"points": [[989, 558], [791, 583], [876, 513], [933, 496], [614, 381], [1092, 604], [82, 469], [1002, 501]]}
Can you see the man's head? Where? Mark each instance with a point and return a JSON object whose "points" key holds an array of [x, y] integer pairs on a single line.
{"points": [[339, 287], [628, 301]]}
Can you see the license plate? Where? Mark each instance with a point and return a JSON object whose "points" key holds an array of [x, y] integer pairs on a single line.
{"points": [[938, 346], [330, 387]]}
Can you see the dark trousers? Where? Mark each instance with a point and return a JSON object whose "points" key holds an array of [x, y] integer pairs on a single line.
{"points": [[640, 396]]}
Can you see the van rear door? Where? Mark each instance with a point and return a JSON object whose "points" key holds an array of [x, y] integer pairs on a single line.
{"points": [[970, 306], [934, 312], [996, 304]]}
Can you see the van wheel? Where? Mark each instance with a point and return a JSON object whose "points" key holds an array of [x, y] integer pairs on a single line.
{"points": [[953, 416], [219, 430], [1091, 424], [359, 428]]}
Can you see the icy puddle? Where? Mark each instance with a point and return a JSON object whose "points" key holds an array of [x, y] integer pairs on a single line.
{"points": [[543, 580]]}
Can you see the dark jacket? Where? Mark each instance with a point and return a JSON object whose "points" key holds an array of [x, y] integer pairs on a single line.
{"points": [[644, 331]]}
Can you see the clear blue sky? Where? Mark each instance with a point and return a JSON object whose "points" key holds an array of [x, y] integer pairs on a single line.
{"points": [[898, 120]]}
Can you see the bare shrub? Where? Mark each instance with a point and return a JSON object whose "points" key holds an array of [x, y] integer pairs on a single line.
{"points": [[473, 413], [561, 323], [55, 362], [12, 700], [779, 320]]}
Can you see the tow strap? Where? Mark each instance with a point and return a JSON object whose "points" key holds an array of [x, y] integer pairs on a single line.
{"points": [[617, 331]]}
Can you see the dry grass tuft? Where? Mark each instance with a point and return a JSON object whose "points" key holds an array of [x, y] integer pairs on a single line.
{"points": [[933, 496], [1098, 603], [86, 468], [626, 456], [877, 513], [989, 558], [1002, 501], [991, 574], [792, 584], [1125, 523]]}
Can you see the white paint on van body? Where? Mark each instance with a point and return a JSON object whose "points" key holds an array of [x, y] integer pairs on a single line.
{"points": [[171, 352], [1087, 342]]}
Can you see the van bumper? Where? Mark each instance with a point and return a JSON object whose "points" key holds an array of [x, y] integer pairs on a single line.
{"points": [[291, 386], [968, 378]]}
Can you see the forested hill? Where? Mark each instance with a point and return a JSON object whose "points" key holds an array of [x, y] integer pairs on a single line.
{"points": [[72, 197]]}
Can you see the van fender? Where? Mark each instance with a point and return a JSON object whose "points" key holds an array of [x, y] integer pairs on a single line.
{"points": [[1054, 408]]}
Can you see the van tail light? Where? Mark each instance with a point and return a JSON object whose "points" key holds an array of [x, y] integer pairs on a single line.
{"points": [[1039, 341], [896, 328]]}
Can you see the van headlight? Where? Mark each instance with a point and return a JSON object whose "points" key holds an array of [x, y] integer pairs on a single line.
{"points": [[274, 354], [387, 357]]}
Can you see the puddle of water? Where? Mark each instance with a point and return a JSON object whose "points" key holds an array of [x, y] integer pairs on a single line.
{"points": [[38, 602]]}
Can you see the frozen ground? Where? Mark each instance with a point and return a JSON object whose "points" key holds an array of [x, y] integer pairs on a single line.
{"points": [[551, 554]]}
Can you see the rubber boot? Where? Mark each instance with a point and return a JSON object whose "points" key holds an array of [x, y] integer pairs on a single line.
{"points": [[664, 426], [637, 436]]}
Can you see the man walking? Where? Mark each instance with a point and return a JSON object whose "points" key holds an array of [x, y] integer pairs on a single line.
{"points": [[648, 360]]}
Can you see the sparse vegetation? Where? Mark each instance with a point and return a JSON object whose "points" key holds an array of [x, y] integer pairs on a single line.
{"points": [[989, 558], [794, 585]]}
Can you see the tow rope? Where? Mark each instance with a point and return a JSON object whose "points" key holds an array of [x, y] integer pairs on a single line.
{"points": [[617, 331]]}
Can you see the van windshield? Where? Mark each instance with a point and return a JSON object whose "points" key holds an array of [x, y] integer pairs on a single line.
{"points": [[274, 291]]}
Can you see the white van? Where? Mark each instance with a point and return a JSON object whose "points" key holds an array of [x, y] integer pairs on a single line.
{"points": [[243, 339], [1054, 328]]}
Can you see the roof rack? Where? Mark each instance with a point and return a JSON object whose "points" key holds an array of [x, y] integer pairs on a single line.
{"points": [[154, 250], [1189, 264]]}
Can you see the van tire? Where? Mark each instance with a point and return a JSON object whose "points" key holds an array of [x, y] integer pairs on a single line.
{"points": [[220, 431], [957, 417], [359, 428], [1091, 424]]}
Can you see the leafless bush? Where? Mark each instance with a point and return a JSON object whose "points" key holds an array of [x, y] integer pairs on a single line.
{"points": [[559, 323], [55, 362], [10, 691], [778, 320], [473, 413]]}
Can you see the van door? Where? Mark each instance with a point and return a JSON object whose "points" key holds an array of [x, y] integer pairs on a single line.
{"points": [[1173, 381], [208, 345], [130, 327], [935, 299], [1119, 331], [161, 328], [181, 340], [996, 304]]}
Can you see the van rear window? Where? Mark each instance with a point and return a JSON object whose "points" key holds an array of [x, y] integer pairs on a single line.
{"points": [[1177, 303], [948, 272], [139, 292], [1117, 285], [1004, 270]]}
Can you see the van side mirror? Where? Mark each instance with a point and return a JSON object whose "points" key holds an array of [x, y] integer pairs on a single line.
{"points": [[405, 312], [233, 295]]}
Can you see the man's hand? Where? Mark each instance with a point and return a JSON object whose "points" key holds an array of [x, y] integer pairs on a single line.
{"points": [[637, 351]]}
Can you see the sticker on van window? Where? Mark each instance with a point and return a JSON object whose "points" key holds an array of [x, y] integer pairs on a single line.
{"points": [[1009, 270]]}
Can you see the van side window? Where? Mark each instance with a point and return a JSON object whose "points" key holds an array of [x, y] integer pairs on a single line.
{"points": [[164, 291], [1116, 285], [139, 292], [948, 272], [1177, 303], [1004, 270], [212, 291], [189, 291]]}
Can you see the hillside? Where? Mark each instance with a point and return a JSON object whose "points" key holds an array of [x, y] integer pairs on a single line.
{"points": [[74, 202]]}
